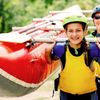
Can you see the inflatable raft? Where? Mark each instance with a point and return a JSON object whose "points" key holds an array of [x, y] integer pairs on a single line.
{"points": [[23, 66]]}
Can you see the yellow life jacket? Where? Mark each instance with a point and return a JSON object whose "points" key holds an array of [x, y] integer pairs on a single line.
{"points": [[76, 77]]}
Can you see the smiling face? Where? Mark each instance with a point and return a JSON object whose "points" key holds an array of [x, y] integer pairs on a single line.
{"points": [[74, 33], [96, 20]]}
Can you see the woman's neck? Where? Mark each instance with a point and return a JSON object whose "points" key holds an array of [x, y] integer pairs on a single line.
{"points": [[98, 31], [75, 46]]}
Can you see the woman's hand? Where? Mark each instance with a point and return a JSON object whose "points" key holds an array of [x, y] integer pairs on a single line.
{"points": [[48, 49]]}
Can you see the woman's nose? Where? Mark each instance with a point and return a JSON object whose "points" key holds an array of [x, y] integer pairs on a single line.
{"points": [[74, 33]]}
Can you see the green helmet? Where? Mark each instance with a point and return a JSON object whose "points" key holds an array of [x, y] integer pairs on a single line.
{"points": [[74, 18]]}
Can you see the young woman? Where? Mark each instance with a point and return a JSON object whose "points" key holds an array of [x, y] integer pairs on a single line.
{"points": [[96, 33], [77, 78]]}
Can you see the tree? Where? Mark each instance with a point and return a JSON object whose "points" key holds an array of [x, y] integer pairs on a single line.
{"points": [[2, 17], [21, 12]]}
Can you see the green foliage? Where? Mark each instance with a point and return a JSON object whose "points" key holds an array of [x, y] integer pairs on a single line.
{"points": [[48, 2], [21, 12]]}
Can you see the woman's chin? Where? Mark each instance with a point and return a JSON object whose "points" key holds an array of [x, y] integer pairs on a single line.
{"points": [[75, 42]]}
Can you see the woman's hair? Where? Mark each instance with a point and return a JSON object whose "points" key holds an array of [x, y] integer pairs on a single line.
{"points": [[86, 50]]}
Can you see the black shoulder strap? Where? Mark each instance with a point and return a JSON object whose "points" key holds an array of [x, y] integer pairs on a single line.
{"points": [[86, 49], [63, 57], [87, 58], [94, 33]]}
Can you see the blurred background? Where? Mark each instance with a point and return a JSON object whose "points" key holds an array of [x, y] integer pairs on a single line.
{"points": [[21, 12], [18, 13]]}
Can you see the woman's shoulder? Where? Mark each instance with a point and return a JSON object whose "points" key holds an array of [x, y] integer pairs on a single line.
{"points": [[94, 50], [59, 49]]}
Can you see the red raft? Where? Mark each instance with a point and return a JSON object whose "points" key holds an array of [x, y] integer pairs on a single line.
{"points": [[23, 66]]}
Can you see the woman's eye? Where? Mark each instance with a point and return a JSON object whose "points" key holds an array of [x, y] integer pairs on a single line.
{"points": [[70, 31], [78, 30]]}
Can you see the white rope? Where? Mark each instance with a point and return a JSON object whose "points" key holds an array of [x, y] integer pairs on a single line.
{"points": [[50, 40]]}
